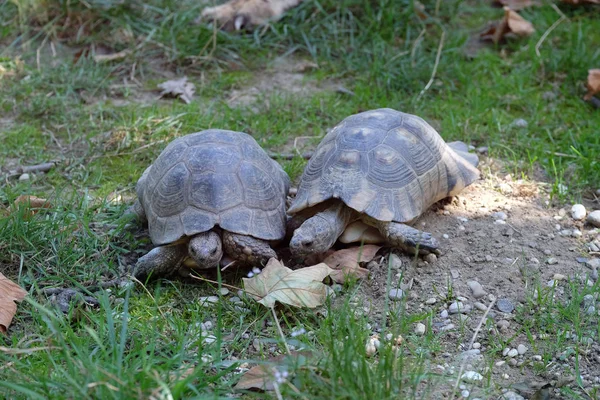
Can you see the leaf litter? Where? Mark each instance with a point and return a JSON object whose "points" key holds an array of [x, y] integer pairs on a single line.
{"points": [[299, 288], [178, 88], [10, 293], [511, 25], [346, 262], [593, 84]]}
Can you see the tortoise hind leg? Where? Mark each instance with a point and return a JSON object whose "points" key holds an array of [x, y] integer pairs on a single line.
{"points": [[247, 249], [408, 238]]}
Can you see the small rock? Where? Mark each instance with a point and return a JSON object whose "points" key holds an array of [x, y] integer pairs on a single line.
{"points": [[551, 261], [505, 351], [505, 305], [430, 258], [566, 232], [578, 212], [476, 345], [476, 289], [513, 362], [24, 177], [593, 263], [489, 258], [206, 301], [209, 339], [508, 232], [500, 222], [454, 273], [395, 294], [445, 236], [591, 310], [444, 314], [559, 277], [576, 233], [224, 291], [461, 228], [510, 395], [593, 218], [522, 349], [471, 376], [420, 329], [519, 123], [482, 150], [502, 324], [459, 307], [480, 306], [394, 261], [500, 215], [500, 363], [536, 357], [431, 300], [447, 327], [512, 353], [588, 300], [465, 394]]}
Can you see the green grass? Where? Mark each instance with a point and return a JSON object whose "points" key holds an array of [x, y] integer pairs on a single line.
{"points": [[138, 344]]}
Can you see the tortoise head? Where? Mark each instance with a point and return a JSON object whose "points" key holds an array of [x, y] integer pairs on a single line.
{"points": [[206, 249], [314, 236]]}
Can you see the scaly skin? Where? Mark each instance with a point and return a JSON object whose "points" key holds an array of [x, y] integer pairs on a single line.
{"points": [[160, 261], [246, 249], [405, 237]]}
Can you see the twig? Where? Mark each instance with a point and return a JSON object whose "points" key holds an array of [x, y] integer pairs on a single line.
{"points": [[290, 156], [435, 66], [201, 278], [8, 350], [128, 153], [548, 31], [473, 338], [44, 167], [287, 349]]}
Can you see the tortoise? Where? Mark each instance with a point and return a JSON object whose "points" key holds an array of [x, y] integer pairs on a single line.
{"points": [[209, 193], [382, 168]]}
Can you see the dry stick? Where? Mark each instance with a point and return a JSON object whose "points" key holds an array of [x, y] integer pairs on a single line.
{"points": [[201, 278], [548, 31], [287, 349], [8, 350], [44, 167], [462, 365], [435, 66]]}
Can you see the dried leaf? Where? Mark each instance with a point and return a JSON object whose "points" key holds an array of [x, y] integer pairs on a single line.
{"points": [[32, 201], [512, 23], [258, 377], [346, 262], [593, 84], [178, 88], [516, 5], [10, 292], [300, 288]]}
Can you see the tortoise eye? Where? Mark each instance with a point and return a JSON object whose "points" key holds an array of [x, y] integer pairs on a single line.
{"points": [[308, 244]]}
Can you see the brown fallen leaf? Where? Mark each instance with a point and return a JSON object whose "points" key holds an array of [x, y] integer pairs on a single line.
{"points": [[258, 377], [178, 88], [10, 292], [346, 262], [32, 202], [593, 84], [515, 5], [300, 288], [511, 24]]}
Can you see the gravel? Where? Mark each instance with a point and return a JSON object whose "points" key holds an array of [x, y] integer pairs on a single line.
{"points": [[578, 212], [395, 294], [505, 305], [593, 218], [476, 289]]}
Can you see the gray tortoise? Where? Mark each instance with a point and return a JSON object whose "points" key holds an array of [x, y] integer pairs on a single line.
{"points": [[209, 193], [382, 168]]}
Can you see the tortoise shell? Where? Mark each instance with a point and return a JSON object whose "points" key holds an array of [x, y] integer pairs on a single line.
{"points": [[214, 178], [387, 164]]}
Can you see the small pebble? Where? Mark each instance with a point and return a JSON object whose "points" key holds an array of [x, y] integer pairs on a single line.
{"points": [[520, 123], [500, 215], [500, 363], [522, 349], [420, 329], [505, 305], [465, 394], [224, 291], [588, 300], [395, 294], [512, 353], [444, 314], [476, 289], [576, 233], [551, 261], [513, 362], [445, 236], [502, 324], [482, 150], [431, 300], [461, 228], [510, 395], [459, 307], [394, 261], [476, 345], [206, 301], [591, 310], [471, 376], [593, 218], [505, 351], [447, 327], [500, 222], [430, 258], [536, 357], [578, 212], [24, 177], [480, 306], [209, 339]]}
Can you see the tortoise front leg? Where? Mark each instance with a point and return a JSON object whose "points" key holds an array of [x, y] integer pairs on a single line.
{"points": [[160, 261], [246, 249], [407, 238]]}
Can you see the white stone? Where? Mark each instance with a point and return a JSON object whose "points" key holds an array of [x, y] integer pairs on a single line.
{"points": [[476, 288], [578, 212], [444, 314], [431, 300], [24, 177], [224, 291], [513, 353], [500, 215], [505, 351], [465, 394], [476, 345], [594, 218], [420, 329], [207, 301], [471, 376], [459, 307], [522, 349], [395, 294], [537, 357]]}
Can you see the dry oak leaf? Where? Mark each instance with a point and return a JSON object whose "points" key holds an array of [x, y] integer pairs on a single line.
{"points": [[258, 377], [9, 293], [300, 288], [346, 262], [593, 84], [32, 202], [516, 5], [512, 23], [178, 88]]}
